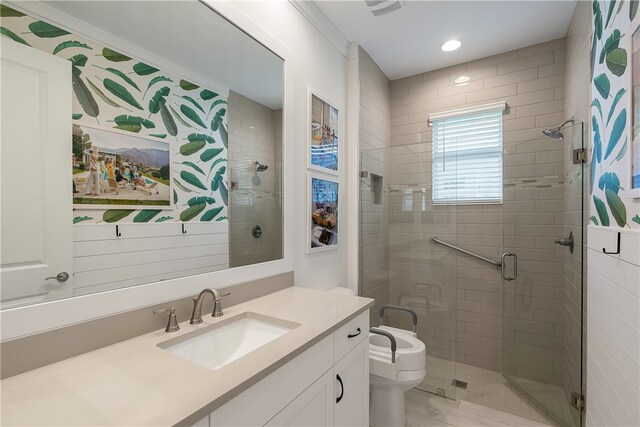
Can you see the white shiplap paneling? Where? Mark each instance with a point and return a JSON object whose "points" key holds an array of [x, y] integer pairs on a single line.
{"points": [[613, 329], [145, 253]]}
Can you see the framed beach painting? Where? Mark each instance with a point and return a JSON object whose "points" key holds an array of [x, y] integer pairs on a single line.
{"points": [[634, 183], [324, 134], [323, 213], [117, 169]]}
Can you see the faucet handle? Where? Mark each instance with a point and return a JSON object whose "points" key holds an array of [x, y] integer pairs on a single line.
{"points": [[217, 306], [172, 325]]}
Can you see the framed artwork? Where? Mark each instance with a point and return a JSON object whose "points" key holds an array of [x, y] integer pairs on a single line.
{"points": [[634, 184], [324, 136], [118, 169], [323, 214]]}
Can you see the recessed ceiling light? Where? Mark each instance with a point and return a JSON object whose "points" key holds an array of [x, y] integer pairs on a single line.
{"points": [[450, 45], [462, 79]]}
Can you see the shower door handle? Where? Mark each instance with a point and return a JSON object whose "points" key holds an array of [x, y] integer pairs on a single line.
{"points": [[515, 266]]}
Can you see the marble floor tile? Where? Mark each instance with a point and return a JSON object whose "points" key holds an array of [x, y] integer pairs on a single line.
{"points": [[428, 410]]}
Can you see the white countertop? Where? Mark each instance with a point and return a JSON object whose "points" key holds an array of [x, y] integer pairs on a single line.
{"points": [[134, 382]]}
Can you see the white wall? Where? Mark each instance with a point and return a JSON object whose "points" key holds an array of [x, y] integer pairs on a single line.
{"points": [[613, 329], [314, 62]]}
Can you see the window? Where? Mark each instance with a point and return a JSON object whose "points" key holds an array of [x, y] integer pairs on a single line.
{"points": [[407, 200], [467, 155]]}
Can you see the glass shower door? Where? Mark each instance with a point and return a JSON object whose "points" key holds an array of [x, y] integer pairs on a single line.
{"points": [[543, 307], [398, 262]]}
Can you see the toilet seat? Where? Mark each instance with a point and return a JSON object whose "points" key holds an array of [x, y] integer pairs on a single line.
{"points": [[411, 358]]}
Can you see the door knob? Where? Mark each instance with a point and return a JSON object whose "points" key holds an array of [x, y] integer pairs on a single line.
{"points": [[566, 241], [61, 277]]}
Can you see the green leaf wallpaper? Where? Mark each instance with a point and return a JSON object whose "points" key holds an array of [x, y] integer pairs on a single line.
{"points": [[611, 203], [114, 90]]}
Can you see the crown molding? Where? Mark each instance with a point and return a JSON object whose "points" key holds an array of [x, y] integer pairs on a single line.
{"points": [[319, 20]]}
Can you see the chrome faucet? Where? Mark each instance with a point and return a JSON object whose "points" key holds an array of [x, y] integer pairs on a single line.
{"points": [[196, 315]]}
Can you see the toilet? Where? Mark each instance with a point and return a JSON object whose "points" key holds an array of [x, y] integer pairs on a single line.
{"points": [[389, 379]]}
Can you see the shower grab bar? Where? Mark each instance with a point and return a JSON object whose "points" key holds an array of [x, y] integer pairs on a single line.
{"points": [[464, 251], [413, 314], [394, 344], [500, 264]]}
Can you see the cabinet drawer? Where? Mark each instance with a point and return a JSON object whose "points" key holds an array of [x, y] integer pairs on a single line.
{"points": [[350, 335]]}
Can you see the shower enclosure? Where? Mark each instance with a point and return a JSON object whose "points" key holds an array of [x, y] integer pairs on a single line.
{"points": [[499, 295]]}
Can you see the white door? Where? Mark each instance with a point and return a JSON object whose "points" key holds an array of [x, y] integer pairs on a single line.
{"points": [[314, 407], [35, 174], [352, 387]]}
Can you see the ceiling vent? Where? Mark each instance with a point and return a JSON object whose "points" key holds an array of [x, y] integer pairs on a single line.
{"points": [[382, 7]]}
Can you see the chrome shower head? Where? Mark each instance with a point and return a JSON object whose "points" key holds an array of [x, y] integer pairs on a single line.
{"points": [[260, 167], [556, 132]]}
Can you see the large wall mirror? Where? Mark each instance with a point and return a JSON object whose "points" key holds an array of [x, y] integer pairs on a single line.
{"points": [[141, 142]]}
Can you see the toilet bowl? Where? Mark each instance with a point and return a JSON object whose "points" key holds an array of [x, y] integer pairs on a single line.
{"points": [[388, 381]]}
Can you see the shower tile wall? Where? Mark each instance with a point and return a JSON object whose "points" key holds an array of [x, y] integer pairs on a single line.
{"points": [[255, 134], [464, 296], [375, 110]]}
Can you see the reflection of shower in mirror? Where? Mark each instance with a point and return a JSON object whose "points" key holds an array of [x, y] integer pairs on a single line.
{"points": [[259, 167]]}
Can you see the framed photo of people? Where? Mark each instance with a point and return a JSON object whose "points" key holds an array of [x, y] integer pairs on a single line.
{"points": [[117, 169]]}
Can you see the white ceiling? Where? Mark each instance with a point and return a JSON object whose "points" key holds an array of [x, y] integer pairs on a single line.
{"points": [[407, 41], [191, 35]]}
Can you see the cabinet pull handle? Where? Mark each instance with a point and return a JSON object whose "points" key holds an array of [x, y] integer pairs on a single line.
{"points": [[341, 389], [358, 332]]}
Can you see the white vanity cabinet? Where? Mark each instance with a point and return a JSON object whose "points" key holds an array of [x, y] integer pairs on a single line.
{"points": [[326, 385]]}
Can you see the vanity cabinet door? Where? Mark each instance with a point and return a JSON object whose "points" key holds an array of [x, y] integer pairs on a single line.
{"points": [[351, 378], [264, 400], [314, 407]]}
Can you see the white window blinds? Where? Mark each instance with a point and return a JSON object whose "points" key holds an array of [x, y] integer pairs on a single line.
{"points": [[467, 156]]}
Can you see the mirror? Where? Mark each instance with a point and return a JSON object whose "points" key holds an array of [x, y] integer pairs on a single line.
{"points": [[141, 141]]}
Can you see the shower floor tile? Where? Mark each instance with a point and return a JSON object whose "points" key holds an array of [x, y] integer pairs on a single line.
{"points": [[489, 389], [427, 410]]}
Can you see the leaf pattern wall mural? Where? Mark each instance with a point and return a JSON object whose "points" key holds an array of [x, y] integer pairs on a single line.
{"points": [[611, 204], [114, 90]]}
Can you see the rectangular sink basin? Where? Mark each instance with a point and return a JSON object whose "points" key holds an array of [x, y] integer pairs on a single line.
{"points": [[220, 344]]}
